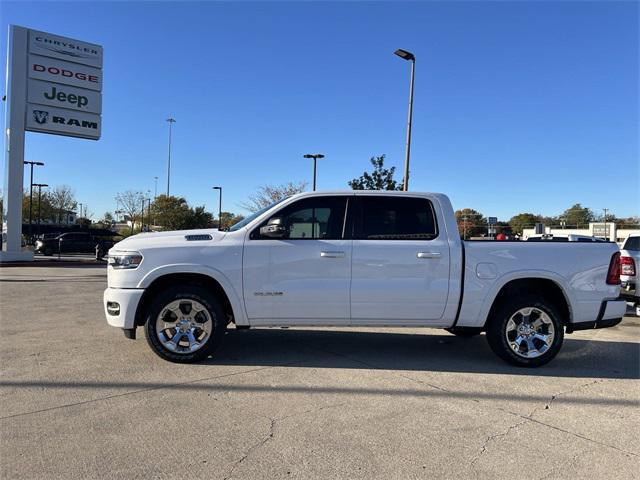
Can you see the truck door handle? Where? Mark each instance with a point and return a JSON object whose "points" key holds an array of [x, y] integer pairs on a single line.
{"points": [[332, 254], [428, 255]]}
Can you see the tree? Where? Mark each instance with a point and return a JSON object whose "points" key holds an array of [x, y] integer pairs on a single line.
{"points": [[106, 221], [171, 213], [83, 221], [62, 199], [198, 218], [228, 219], [269, 194], [471, 223], [379, 179], [174, 213], [523, 220], [577, 216], [629, 222], [131, 204], [107, 218]]}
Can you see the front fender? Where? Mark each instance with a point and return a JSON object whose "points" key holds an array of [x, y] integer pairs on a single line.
{"points": [[215, 274]]}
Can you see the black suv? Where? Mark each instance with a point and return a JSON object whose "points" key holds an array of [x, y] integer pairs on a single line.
{"points": [[74, 242]]}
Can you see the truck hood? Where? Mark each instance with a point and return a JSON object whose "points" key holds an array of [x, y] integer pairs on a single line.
{"points": [[143, 241]]}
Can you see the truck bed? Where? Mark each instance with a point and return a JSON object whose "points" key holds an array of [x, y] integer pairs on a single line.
{"points": [[579, 269]]}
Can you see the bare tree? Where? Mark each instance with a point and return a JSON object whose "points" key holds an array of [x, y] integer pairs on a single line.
{"points": [[131, 204], [62, 199], [269, 194]]}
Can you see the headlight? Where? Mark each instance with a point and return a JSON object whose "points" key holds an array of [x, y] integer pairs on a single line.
{"points": [[125, 260]]}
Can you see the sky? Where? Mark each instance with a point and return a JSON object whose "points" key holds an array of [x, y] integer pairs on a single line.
{"points": [[519, 106]]}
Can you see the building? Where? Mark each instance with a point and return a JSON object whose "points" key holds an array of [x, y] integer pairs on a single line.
{"points": [[596, 229]]}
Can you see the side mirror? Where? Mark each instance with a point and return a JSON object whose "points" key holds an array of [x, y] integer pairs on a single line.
{"points": [[274, 228]]}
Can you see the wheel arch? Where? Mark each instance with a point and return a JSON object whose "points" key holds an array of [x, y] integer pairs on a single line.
{"points": [[548, 288], [160, 279]]}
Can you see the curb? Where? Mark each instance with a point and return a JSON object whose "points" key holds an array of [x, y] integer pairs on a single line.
{"points": [[55, 263]]}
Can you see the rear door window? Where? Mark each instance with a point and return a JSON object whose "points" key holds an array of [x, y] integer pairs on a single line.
{"points": [[395, 218]]}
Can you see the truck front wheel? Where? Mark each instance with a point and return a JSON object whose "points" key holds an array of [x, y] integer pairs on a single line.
{"points": [[185, 324], [526, 331]]}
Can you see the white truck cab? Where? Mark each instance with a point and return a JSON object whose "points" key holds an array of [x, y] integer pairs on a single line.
{"points": [[359, 258]]}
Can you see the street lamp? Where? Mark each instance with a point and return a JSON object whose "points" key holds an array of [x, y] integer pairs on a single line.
{"points": [[39, 185], [40, 164], [155, 191], [219, 208], [605, 223], [315, 157], [171, 122], [80, 213], [411, 58]]}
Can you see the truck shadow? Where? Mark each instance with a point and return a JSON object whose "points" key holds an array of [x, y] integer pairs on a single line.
{"points": [[579, 358]]}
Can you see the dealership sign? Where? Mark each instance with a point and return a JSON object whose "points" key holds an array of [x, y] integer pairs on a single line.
{"points": [[63, 96], [59, 71], [41, 118], [53, 85], [64, 86], [53, 46]]}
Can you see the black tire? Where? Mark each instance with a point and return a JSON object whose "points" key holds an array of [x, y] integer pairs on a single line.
{"points": [[187, 293], [464, 332], [497, 335]]}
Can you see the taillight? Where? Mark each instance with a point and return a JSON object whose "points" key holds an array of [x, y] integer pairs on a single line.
{"points": [[613, 275], [627, 266]]}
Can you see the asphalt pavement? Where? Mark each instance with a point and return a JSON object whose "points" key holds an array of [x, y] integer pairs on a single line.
{"points": [[80, 401]]}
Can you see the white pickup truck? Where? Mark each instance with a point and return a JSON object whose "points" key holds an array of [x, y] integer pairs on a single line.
{"points": [[359, 258]]}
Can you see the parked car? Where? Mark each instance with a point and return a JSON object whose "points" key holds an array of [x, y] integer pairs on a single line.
{"points": [[548, 237], [73, 242], [359, 259], [629, 274]]}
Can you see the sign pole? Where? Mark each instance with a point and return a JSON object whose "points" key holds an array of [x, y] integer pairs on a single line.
{"points": [[16, 88]]}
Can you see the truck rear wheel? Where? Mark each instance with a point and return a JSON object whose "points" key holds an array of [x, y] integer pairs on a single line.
{"points": [[185, 324], [526, 331]]}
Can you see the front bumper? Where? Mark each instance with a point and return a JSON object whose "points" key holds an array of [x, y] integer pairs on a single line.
{"points": [[120, 305], [610, 315]]}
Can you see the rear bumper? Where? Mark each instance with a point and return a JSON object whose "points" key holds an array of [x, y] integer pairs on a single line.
{"points": [[120, 305], [610, 315]]}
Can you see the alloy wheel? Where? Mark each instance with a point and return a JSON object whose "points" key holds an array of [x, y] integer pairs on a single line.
{"points": [[184, 326]]}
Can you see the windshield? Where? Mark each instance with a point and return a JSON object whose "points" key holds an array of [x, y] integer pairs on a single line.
{"points": [[244, 222]]}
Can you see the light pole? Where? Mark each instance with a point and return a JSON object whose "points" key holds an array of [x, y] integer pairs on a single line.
{"points": [[40, 164], [39, 185], [155, 191], [409, 57], [315, 157], [171, 122], [144, 200], [605, 223], [219, 208]]}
